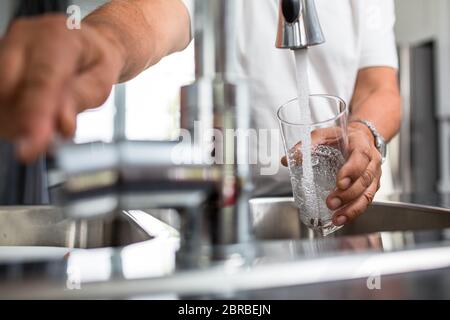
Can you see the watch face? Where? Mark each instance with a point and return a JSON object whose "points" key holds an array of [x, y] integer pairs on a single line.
{"points": [[381, 145]]}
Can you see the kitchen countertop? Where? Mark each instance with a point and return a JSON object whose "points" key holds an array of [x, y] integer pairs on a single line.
{"points": [[21, 278], [430, 199]]}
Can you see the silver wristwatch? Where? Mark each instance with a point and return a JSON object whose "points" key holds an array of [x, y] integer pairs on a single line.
{"points": [[380, 143]]}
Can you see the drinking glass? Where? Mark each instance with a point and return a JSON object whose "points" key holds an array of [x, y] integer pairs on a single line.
{"points": [[316, 150]]}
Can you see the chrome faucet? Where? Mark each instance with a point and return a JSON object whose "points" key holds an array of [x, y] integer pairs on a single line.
{"points": [[218, 100], [212, 198], [298, 25]]}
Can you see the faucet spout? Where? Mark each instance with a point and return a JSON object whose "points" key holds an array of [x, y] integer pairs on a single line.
{"points": [[298, 25]]}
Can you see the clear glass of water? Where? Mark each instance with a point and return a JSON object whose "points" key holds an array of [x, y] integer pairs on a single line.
{"points": [[316, 149]]}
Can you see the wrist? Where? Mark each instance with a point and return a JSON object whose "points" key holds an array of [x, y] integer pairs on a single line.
{"points": [[364, 129], [112, 40]]}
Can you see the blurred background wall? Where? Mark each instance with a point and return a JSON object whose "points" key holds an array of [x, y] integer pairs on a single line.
{"points": [[423, 36]]}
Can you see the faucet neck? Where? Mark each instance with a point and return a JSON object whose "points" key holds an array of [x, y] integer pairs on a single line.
{"points": [[298, 25], [215, 34]]}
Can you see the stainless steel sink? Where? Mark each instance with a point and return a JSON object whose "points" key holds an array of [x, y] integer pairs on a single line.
{"points": [[273, 219], [285, 254], [278, 219], [47, 227]]}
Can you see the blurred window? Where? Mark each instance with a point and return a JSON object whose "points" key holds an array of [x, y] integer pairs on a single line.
{"points": [[152, 103]]}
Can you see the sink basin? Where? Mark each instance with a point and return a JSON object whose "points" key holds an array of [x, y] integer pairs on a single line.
{"points": [[278, 219], [47, 227], [273, 219], [280, 259]]}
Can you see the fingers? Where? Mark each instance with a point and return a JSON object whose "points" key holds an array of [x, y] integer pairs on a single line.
{"points": [[11, 68], [82, 88], [284, 161], [324, 136], [37, 79], [295, 153], [38, 67], [67, 117], [48, 74], [34, 114], [357, 181], [30, 146], [36, 109], [356, 207], [327, 136], [340, 197], [360, 157]]}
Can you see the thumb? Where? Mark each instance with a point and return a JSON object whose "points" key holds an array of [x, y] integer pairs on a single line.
{"points": [[67, 117], [29, 146]]}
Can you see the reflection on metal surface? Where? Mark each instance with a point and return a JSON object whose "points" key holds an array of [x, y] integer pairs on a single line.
{"points": [[152, 226], [278, 218], [263, 276], [210, 195], [387, 240], [47, 226]]}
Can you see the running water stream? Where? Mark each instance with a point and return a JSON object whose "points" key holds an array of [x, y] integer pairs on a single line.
{"points": [[308, 185]]}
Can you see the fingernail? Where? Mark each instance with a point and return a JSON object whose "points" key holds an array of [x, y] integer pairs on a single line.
{"points": [[341, 220], [335, 203], [345, 183]]}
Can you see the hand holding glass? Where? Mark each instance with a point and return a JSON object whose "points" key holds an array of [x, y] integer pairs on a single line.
{"points": [[313, 175]]}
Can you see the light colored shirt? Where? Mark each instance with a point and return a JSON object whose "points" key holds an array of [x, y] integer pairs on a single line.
{"points": [[359, 34]]}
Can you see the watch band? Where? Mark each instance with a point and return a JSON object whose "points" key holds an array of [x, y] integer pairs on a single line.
{"points": [[380, 143]]}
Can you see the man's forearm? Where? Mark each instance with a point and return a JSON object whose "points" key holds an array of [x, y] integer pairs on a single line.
{"points": [[377, 100], [143, 31]]}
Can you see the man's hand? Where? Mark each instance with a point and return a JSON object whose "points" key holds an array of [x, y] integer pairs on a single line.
{"points": [[359, 178], [376, 98], [48, 74]]}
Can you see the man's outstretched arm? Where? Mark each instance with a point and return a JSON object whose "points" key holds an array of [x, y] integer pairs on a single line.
{"points": [[49, 74], [144, 30]]}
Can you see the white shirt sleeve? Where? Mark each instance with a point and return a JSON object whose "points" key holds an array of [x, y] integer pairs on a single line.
{"points": [[190, 7], [378, 39]]}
